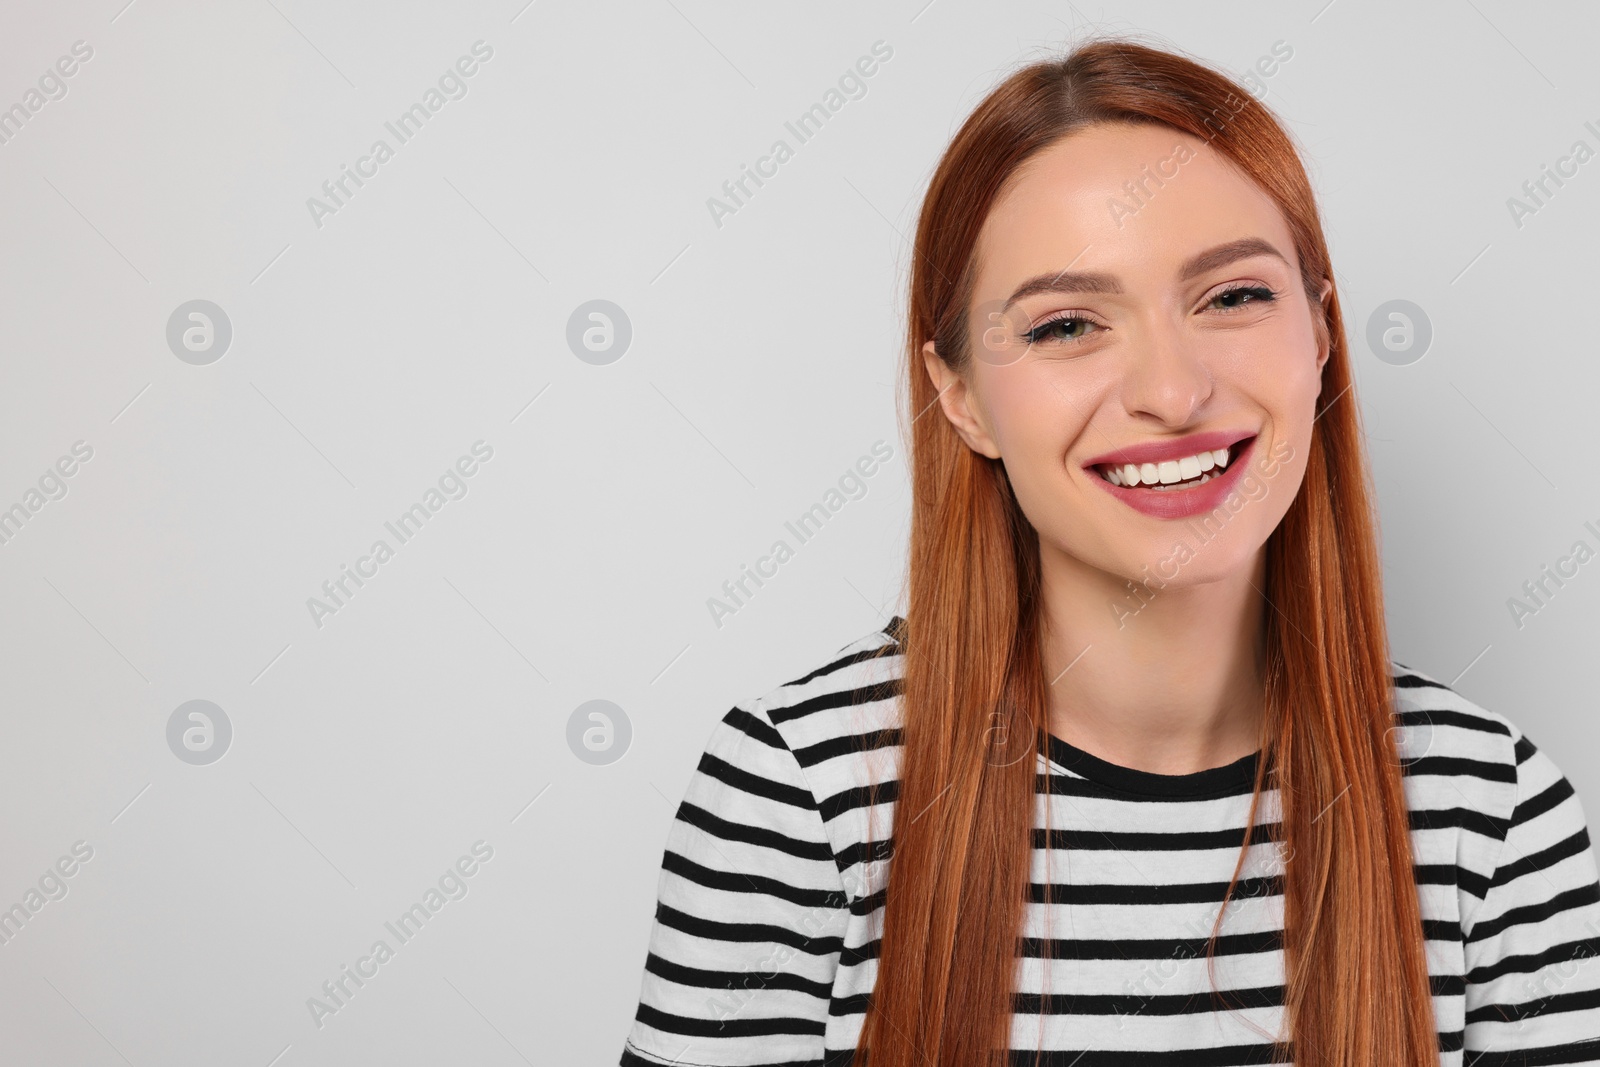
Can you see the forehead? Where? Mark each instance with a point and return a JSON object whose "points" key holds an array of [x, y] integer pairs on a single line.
{"points": [[1133, 200]]}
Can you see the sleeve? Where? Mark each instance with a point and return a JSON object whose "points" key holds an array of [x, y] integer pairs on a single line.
{"points": [[750, 913], [1532, 977]]}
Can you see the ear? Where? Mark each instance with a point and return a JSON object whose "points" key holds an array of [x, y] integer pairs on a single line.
{"points": [[1323, 332], [959, 404]]}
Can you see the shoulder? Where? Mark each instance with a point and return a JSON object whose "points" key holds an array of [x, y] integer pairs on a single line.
{"points": [[821, 710], [837, 722], [1466, 760], [1443, 732]]}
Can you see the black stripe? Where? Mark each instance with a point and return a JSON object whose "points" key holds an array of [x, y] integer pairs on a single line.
{"points": [[1581, 1000], [711, 930], [1527, 964], [1458, 818], [1414, 681], [842, 698], [856, 956], [738, 882], [1223, 1056], [742, 720], [1158, 948], [1170, 893], [630, 1058], [865, 852], [1155, 1004], [1150, 840], [842, 662], [754, 784], [716, 826], [1451, 717], [845, 745], [1536, 913], [1545, 858], [1459, 767], [775, 978], [732, 1026], [861, 796], [1533, 807], [1577, 1052]]}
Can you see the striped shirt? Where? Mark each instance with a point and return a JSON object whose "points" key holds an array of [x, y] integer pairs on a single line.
{"points": [[765, 942]]}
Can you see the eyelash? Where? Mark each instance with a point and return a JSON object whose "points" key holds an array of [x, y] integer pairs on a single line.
{"points": [[1261, 293]]}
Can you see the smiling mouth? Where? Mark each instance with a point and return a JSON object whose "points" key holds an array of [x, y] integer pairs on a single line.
{"points": [[1173, 474]]}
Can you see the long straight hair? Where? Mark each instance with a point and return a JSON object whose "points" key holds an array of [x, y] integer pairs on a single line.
{"points": [[974, 698]]}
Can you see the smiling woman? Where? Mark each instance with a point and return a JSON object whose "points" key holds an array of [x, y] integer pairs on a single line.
{"points": [[1238, 832]]}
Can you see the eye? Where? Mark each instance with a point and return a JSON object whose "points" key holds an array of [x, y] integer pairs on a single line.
{"points": [[1060, 329], [1236, 296]]}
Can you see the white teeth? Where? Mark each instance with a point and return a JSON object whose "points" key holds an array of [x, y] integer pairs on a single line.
{"points": [[1179, 473], [1173, 488]]}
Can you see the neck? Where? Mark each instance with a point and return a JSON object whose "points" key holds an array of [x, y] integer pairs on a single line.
{"points": [[1169, 680]]}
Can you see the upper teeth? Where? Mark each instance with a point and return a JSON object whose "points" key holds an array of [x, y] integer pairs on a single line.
{"points": [[1168, 471]]}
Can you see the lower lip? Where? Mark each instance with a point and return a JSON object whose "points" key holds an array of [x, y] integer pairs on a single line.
{"points": [[1181, 503]]}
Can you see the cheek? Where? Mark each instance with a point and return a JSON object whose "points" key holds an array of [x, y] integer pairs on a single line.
{"points": [[1033, 418]]}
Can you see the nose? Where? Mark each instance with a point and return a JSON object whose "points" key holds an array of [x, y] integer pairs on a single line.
{"points": [[1165, 379]]}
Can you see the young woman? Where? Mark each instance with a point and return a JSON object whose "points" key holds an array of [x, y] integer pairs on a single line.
{"points": [[1134, 781]]}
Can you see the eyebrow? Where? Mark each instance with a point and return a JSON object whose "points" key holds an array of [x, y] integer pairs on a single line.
{"points": [[1065, 281]]}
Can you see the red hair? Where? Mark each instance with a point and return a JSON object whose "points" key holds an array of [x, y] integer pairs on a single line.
{"points": [[1356, 982]]}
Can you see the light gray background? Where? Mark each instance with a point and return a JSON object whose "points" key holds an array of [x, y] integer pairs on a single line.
{"points": [[431, 311]]}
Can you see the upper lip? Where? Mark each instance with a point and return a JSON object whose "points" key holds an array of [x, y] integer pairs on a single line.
{"points": [[1171, 449]]}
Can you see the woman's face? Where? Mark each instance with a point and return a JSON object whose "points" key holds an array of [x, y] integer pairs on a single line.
{"points": [[1138, 317]]}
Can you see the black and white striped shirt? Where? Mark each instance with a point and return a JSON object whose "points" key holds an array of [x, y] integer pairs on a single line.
{"points": [[765, 943]]}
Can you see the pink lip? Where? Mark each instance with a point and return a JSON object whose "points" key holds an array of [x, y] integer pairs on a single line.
{"points": [[1181, 503], [1177, 448]]}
